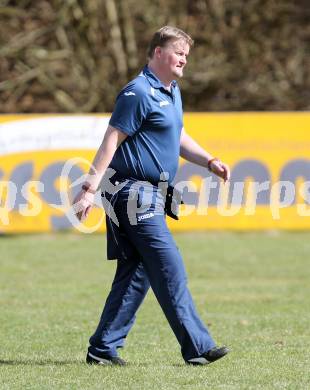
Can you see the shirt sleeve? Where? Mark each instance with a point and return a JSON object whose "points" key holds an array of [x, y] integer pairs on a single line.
{"points": [[131, 108]]}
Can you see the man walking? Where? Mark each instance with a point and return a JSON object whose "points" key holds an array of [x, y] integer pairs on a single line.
{"points": [[142, 144]]}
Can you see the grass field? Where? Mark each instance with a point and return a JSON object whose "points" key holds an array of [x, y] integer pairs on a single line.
{"points": [[253, 290]]}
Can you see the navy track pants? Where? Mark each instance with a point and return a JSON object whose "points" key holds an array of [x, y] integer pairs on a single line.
{"points": [[156, 262]]}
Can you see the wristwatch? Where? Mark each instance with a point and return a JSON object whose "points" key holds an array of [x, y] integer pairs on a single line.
{"points": [[86, 188], [211, 161]]}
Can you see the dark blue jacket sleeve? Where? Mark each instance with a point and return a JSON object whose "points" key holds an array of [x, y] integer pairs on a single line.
{"points": [[130, 110]]}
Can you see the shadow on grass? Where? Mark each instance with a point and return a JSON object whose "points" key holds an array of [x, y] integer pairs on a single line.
{"points": [[49, 362], [146, 365], [44, 362]]}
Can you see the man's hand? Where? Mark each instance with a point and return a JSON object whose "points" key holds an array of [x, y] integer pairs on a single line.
{"points": [[82, 204], [220, 169]]}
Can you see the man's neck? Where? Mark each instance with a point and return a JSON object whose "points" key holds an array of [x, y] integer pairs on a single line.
{"points": [[164, 79]]}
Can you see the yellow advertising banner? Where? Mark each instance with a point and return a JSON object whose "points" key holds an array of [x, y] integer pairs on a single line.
{"points": [[43, 157]]}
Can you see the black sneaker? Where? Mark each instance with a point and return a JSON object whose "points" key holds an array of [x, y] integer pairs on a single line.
{"points": [[209, 357], [104, 361]]}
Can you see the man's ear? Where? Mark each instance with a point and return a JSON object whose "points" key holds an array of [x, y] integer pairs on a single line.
{"points": [[157, 51]]}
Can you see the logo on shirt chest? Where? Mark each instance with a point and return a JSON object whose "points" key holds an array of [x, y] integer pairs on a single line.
{"points": [[162, 103]]}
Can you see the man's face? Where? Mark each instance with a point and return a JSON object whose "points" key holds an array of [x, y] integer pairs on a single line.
{"points": [[173, 57]]}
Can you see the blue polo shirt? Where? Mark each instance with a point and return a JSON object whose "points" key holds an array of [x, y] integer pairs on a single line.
{"points": [[152, 117]]}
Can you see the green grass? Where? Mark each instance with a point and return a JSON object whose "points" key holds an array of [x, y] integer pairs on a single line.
{"points": [[253, 290]]}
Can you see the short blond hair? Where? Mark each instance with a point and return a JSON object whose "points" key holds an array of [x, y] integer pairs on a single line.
{"points": [[166, 34]]}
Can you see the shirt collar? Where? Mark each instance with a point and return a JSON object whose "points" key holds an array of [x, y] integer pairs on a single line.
{"points": [[153, 80]]}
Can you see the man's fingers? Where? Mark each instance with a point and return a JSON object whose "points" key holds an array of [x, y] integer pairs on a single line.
{"points": [[227, 172], [87, 211], [81, 208], [221, 170]]}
